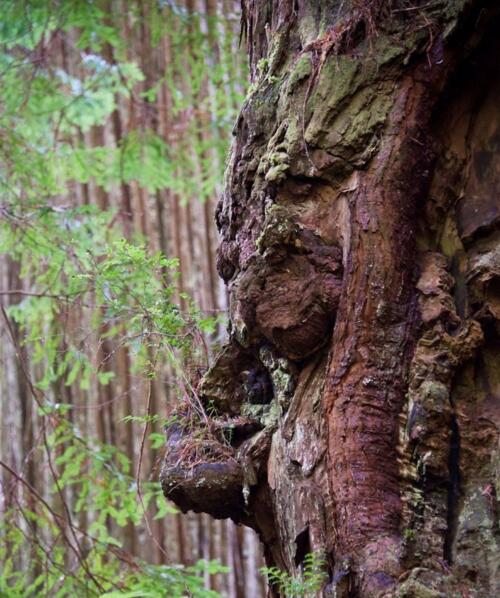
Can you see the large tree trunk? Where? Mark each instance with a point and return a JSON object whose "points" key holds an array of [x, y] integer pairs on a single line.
{"points": [[355, 410]]}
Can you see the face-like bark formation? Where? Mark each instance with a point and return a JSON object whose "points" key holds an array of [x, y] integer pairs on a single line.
{"points": [[355, 408]]}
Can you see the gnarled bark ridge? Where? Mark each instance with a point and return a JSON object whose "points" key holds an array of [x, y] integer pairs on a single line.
{"points": [[360, 229]]}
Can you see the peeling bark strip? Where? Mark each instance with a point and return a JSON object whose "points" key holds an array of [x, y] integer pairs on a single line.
{"points": [[360, 231]]}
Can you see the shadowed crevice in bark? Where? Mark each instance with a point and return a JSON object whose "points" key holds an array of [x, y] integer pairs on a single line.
{"points": [[454, 491]]}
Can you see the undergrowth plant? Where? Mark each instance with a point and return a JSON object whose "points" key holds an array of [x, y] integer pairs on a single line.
{"points": [[305, 585], [74, 551]]}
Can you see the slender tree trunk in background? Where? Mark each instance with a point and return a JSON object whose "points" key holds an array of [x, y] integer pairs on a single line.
{"points": [[360, 245]]}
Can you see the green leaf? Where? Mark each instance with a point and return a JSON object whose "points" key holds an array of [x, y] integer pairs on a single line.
{"points": [[105, 377]]}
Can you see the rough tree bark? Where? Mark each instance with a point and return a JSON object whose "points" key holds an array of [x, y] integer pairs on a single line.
{"points": [[355, 408]]}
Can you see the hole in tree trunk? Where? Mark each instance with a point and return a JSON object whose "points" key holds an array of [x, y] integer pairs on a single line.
{"points": [[303, 545]]}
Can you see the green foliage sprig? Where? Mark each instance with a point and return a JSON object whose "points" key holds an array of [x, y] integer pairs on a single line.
{"points": [[305, 585]]}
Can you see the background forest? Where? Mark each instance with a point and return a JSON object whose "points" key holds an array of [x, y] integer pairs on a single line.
{"points": [[115, 118]]}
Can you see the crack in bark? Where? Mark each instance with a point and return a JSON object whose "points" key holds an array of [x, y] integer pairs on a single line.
{"points": [[453, 491]]}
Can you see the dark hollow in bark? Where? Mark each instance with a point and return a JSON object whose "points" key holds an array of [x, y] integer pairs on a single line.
{"points": [[360, 229]]}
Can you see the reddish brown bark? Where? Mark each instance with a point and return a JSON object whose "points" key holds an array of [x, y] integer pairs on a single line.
{"points": [[359, 226]]}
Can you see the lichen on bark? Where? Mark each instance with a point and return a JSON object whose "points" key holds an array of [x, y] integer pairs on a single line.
{"points": [[360, 229]]}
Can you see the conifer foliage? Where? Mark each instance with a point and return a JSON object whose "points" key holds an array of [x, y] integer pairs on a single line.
{"points": [[103, 142]]}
